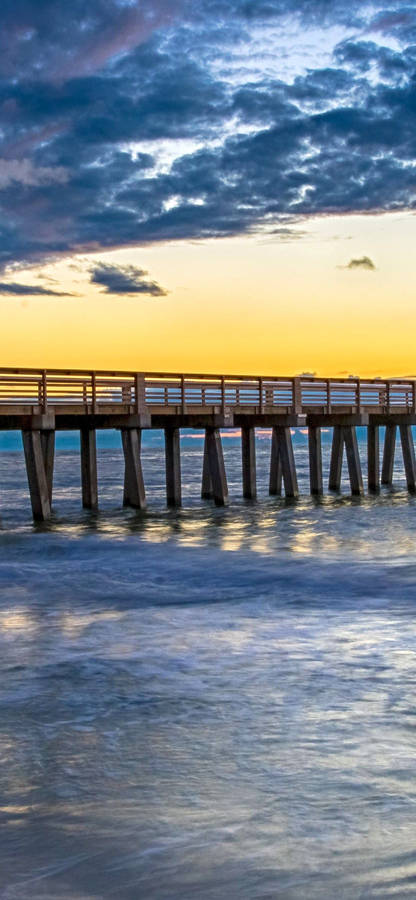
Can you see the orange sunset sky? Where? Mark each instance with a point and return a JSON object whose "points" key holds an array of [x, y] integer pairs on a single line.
{"points": [[242, 305]]}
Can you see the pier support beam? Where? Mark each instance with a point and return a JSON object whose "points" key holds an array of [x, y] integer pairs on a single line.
{"points": [[173, 467], [408, 450], [275, 481], [134, 491], [353, 460], [248, 450], [388, 454], [216, 466], [345, 434], [39, 485], [335, 467], [315, 460], [287, 457], [89, 468], [373, 457], [47, 438], [282, 463], [206, 489]]}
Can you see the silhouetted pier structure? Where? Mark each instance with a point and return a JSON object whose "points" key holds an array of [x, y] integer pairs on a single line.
{"points": [[40, 402]]}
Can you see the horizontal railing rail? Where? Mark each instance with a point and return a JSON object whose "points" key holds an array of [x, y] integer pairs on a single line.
{"points": [[93, 390]]}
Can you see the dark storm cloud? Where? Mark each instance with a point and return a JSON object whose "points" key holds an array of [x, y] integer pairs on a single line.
{"points": [[84, 88], [125, 280], [364, 262], [56, 40], [14, 289]]}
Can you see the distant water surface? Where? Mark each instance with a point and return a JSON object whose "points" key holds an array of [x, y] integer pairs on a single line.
{"points": [[206, 703]]}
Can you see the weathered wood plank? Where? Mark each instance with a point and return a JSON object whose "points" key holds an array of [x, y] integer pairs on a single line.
{"points": [[134, 489], [36, 475], [206, 489], [353, 460], [47, 438], [275, 480], [216, 466], [89, 481], [388, 454], [287, 458], [373, 457], [315, 460], [409, 461], [335, 468], [248, 453], [173, 467]]}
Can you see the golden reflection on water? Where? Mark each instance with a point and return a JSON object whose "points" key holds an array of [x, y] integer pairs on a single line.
{"points": [[304, 541], [331, 525], [74, 624], [231, 542], [17, 620]]}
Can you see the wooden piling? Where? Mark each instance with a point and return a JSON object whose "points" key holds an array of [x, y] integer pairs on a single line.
{"points": [[315, 460], [353, 460], [248, 451], [335, 468], [47, 438], [36, 474], [275, 481], [388, 454], [287, 458], [134, 490], [89, 468], [216, 466], [206, 488], [409, 461], [373, 457], [173, 467]]}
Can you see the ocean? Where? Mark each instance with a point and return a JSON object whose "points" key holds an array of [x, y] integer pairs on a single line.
{"points": [[205, 703]]}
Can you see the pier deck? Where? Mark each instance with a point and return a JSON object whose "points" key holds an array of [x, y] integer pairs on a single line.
{"points": [[39, 402]]}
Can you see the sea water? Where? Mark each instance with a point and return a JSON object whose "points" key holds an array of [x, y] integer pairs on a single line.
{"points": [[206, 703]]}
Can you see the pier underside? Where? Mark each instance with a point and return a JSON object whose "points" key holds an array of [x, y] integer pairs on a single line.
{"points": [[38, 434], [39, 403]]}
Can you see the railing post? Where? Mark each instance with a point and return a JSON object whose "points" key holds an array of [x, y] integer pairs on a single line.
{"points": [[328, 395], [388, 396], [94, 392], [261, 395], [140, 393], [223, 395], [414, 396], [358, 395], [297, 395], [183, 394], [44, 392]]}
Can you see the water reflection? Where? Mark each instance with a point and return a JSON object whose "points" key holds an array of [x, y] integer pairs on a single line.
{"points": [[206, 703]]}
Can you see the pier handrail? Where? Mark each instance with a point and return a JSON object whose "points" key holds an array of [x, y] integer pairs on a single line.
{"points": [[93, 390]]}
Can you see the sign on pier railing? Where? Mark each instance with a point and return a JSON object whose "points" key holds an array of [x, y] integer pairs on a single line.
{"points": [[95, 390]]}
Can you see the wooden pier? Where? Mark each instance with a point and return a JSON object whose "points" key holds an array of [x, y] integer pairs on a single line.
{"points": [[40, 402]]}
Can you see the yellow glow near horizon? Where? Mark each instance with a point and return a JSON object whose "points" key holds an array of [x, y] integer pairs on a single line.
{"points": [[242, 305]]}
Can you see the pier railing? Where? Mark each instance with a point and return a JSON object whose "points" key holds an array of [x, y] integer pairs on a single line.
{"points": [[95, 390]]}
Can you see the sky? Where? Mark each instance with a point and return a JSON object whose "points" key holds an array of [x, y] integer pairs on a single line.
{"points": [[206, 186]]}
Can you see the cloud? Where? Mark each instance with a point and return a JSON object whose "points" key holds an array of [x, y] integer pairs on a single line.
{"points": [[127, 280], [47, 40], [125, 124], [364, 262], [15, 289], [23, 171]]}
